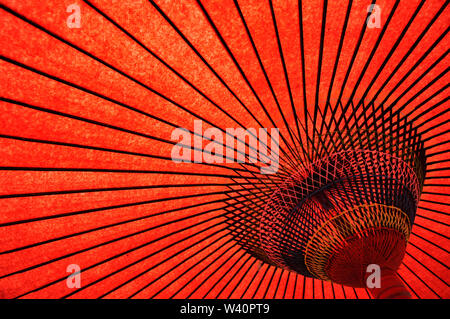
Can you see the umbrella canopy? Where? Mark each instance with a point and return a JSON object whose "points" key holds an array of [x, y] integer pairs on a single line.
{"points": [[93, 177]]}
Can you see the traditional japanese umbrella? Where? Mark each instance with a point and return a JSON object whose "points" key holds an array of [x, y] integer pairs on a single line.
{"points": [[93, 91]]}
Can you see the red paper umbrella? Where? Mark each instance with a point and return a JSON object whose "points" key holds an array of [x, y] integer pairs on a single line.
{"points": [[224, 149]]}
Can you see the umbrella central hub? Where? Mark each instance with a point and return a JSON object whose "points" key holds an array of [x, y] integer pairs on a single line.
{"points": [[336, 216]]}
